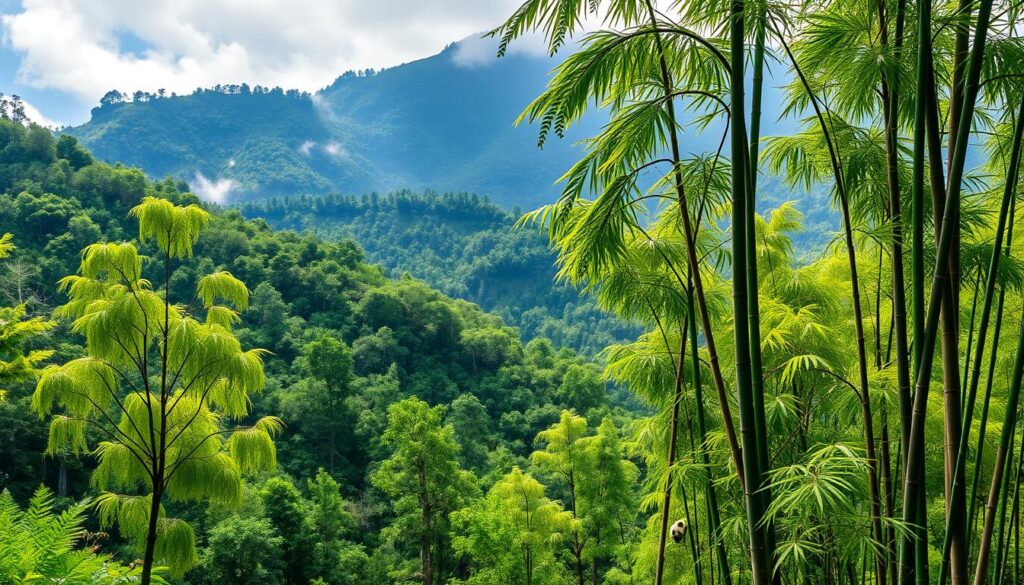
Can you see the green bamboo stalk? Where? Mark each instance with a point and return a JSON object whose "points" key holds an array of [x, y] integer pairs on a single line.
{"points": [[1003, 500], [666, 504], [753, 305], [956, 489], [913, 491], [983, 422], [698, 571], [759, 562], [1006, 214], [1003, 560], [1006, 436], [913, 550], [890, 103], [970, 342], [711, 497]]}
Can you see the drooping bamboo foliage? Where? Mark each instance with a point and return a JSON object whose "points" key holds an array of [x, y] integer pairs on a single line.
{"points": [[892, 99]]}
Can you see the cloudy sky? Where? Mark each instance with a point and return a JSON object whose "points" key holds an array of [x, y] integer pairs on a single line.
{"points": [[63, 55]]}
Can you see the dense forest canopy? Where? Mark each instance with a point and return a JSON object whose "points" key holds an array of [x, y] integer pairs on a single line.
{"points": [[347, 351], [787, 413], [465, 246]]}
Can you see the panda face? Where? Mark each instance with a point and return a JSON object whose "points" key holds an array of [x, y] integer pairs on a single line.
{"points": [[678, 531]]}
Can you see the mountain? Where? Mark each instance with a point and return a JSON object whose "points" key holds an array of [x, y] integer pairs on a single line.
{"points": [[444, 123], [438, 123]]}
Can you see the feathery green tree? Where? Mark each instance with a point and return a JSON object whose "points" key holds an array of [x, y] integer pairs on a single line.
{"points": [[159, 381], [511, 534]]}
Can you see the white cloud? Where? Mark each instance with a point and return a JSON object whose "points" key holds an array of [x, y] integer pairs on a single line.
{"points": [[36, 116], [306, 146], [334, 149], [477, 50], [178, 45], [216, 191]]}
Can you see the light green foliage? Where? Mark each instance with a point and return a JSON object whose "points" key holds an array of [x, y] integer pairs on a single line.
{"points": [[563, 454], [329, 517], [40, 545], [15, 331], [607, 492], [422, 476], [15, 364], [825, 485], [512, 534], [330, 524], [597, 484], [161, 382]]}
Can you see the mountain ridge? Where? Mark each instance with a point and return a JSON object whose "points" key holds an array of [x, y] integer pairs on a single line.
{"points": [[430, 123]]}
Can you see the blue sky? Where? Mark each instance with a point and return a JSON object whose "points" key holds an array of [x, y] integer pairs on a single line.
{"points": [[61, 56], [57, 105]]}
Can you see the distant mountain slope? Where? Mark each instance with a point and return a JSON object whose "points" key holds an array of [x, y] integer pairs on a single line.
{"points": [[465, 246], [437, 123], [433, 123]]}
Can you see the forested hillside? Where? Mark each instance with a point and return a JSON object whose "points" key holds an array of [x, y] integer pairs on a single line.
{"points": [[217, 401], [359, 368], [466, 247]]}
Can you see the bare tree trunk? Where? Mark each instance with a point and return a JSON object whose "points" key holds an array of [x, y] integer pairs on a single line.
{"points": [[426, 563], [151, 532]]}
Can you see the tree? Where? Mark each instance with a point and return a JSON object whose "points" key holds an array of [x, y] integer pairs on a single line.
{"points": [[329, 361], [472, 426], [511, 533], [565, 458], [15, 331], [423, 478], [69, 149], [582, 388], [286, 510], [244, 550], [606, 493], [158, 382], [329, 521]]}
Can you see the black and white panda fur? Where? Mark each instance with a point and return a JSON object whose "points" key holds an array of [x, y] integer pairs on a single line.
{"points": [[678, 531]]}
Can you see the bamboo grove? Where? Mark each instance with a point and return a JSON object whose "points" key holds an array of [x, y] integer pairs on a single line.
{"points": [[848, 416]]}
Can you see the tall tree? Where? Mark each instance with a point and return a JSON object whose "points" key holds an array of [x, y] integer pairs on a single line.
{"points": [[423, 478], [511, 534], [329, 361], [158, 382], [15, 331]]}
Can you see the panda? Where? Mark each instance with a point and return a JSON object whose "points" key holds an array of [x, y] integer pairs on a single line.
{"points": [[678, 530]]}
